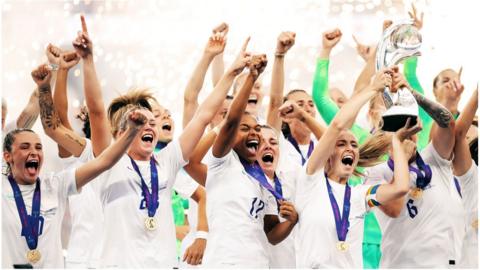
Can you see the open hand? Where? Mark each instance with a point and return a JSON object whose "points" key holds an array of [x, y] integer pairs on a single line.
{"points": [[194, 253]]}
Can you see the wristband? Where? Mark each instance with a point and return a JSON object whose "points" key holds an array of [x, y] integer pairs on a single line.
{"points": [[201, 234]]}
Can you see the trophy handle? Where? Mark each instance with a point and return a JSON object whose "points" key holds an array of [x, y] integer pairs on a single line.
{"points": [[387, 100]]}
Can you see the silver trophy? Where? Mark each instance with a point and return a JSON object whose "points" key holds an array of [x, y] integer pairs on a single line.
{"points": [[399, 41]]}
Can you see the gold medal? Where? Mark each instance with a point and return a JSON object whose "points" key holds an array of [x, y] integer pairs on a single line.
{"points": [[342, 246], [150, 224], [416, 193], [33, 256], [475, 224]]}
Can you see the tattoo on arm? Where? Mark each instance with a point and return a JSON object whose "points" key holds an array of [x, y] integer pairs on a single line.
{"points": [[440, 114], [26, 120], [76, 140], [48, 114]]}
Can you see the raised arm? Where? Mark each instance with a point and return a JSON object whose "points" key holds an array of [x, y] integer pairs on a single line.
{"points": [[402, 148], [29, 115], [218, 65], [111, 155], [216, 45], [344, 120], [226, 137], [462, 160], [325, 105], [52, 125], [195, 128], [194, 253], [290, 110], [60, 99], [368, 54], [99, 125], [323, 102], [195, 168], [284, 42]]}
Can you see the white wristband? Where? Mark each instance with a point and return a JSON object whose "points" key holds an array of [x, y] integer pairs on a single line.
{"points": [[201, 234]]}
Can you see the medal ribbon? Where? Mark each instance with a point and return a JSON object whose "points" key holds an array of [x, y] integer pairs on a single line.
{"points": [[32, 225], [151, 199], [424, 172], [255, 171], [341, 222], [457, 185], [295, 144]]}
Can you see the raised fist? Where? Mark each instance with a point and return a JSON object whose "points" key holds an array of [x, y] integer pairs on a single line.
{"points": [[284, 42], [42, 75], [83, 44], [68, 60], [290, 110], [257, 64], [331, 38], [222, 28], [53, 54], [136, 119]]}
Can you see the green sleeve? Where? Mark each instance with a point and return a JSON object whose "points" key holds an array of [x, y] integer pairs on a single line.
{"points": [[325, 105], [410, 72]]}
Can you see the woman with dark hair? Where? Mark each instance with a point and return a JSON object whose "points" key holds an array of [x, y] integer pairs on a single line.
{"points": [[34, 239]]}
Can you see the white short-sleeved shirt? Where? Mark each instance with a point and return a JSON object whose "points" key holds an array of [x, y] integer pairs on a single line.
{"points": [[236, 206], [283, 255], [316, 233], [126, 242], [469, 184], [86, 219], [54, 188], [289, 151], [422, 236]]}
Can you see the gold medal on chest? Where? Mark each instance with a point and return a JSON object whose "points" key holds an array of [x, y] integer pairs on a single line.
{"points": [[150, 224], [416, 193], [33, 256], [342, 246]]}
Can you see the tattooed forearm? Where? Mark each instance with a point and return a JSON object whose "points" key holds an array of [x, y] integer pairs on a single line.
{"points": [[76, 140], [26, 120], [439, 114], [48, 114]]}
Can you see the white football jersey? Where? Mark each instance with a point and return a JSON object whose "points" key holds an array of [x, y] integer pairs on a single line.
{"points": [[422, 236], [236, 206], [86, 218], [316, 233], [54, 190], [469, 184], [126, 241]]}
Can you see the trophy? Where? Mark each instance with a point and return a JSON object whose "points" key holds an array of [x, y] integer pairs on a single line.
{"points": [[399, 41]]}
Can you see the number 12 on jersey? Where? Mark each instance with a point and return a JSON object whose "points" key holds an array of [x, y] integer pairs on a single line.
{"points": [[257, 206]]}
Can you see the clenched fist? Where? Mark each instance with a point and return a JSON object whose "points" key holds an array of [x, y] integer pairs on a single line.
{"points": [[257, 64], [331, 38], [68, 60], [284, 42], [42, 75]]}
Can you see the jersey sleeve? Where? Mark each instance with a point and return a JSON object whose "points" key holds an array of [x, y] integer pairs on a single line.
{"points": [[64, 182], [172, 155], [379, 174], [271, 208], [325, 105], [469, 186], [185, 185]]}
